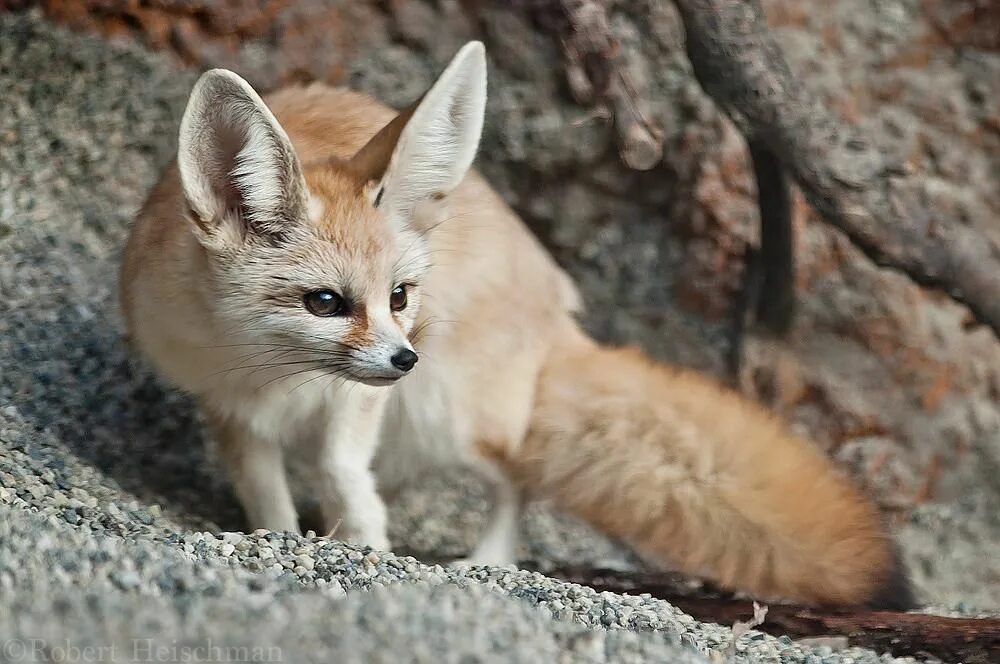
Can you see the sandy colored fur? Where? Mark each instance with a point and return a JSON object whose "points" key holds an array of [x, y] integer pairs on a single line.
{"points": [[663, 458], [689, 471]]}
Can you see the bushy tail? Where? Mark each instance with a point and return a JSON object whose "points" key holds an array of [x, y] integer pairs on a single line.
{"points": [[713, 484]]}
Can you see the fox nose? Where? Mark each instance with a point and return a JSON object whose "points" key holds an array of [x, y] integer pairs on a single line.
{"points": [[404, 359]]}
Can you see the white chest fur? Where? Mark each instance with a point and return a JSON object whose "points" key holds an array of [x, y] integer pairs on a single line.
{"points": [[422, 428]]}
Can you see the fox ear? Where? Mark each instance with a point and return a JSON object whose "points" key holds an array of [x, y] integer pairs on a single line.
{"points": [[236, 163], [426, 151]]}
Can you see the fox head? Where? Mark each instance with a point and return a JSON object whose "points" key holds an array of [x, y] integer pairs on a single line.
{"points": [[320, 265]]}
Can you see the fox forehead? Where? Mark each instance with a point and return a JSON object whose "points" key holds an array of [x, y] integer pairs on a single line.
{"points": [[341, 213], [349, 244]]}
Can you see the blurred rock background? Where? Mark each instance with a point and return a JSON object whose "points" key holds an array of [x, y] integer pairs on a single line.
{"points": [[896, 381]]}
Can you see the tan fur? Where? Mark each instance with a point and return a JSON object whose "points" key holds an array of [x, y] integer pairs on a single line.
{"points": [[663, 458], [690, 472]]}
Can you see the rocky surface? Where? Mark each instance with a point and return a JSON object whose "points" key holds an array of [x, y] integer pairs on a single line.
{"points": [[105, 490], [73, 590]]}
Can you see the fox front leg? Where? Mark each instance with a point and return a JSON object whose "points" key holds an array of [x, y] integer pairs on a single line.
{"points": [[352, 508], [257, 473]]}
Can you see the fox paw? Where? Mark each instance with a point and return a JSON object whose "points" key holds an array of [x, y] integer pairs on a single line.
{"points": [[482, 561]]}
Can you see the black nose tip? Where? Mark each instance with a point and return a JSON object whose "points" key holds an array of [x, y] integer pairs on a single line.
{"points": [[404, 359]]}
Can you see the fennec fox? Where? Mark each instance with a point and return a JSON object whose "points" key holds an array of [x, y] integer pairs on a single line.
{"points": [[322, 272]]}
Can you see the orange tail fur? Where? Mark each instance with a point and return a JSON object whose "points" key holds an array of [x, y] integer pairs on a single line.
{"points": [[704, 479]]}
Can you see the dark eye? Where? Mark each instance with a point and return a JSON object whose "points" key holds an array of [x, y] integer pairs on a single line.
{"points": [[397, 299], [324, 303]]}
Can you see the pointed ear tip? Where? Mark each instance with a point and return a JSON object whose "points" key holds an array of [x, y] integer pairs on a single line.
{"points": [[221, 76], [217, 73], [473, 51]]}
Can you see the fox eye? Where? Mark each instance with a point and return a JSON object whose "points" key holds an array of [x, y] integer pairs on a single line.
{"points": [[397, 299], [324, 303]]}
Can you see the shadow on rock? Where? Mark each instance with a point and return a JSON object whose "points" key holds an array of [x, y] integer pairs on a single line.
{"points": [[77, 385]]}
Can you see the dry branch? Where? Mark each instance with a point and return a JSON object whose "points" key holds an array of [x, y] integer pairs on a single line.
{"points": [[853, 184], [970, 640]]}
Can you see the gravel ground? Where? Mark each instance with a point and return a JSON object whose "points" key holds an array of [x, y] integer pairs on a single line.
{"points": [[114, 525], [195, 591]]}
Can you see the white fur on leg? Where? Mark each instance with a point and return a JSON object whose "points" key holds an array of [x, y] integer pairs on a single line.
{"points": [[352, 508], [259, 479], [499, 542], [351, 505]]}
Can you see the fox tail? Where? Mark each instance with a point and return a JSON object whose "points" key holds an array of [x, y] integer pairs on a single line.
{"points": [[703, 479]]}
